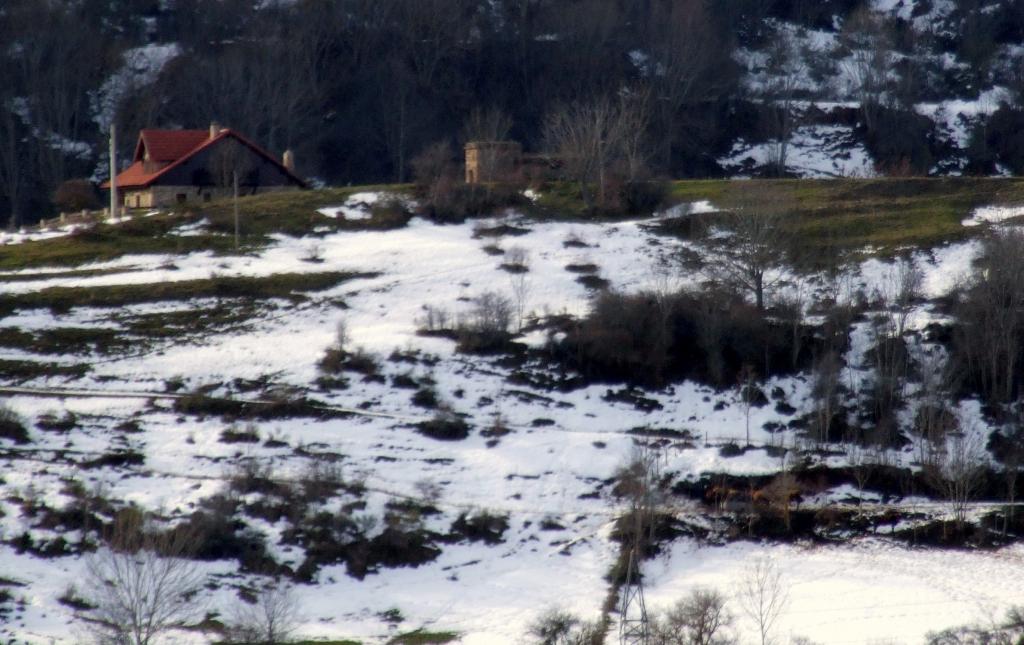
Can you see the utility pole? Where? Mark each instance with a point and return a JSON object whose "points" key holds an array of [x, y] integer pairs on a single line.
{"points": [[113, 170], [634, 628]]}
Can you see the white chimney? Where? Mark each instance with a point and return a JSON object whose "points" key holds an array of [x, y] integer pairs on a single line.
{"points": [[214, 129], [288, 160]]}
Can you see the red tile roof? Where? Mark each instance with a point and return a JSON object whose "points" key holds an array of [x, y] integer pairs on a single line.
{"points": [[133, 176], [168, 145], [168, 142]]}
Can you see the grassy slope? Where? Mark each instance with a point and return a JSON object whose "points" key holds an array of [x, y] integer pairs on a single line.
{"points": [[291, 213], [107, 242], [883, 213], [281, 285], [845, 214], [294, 213]]}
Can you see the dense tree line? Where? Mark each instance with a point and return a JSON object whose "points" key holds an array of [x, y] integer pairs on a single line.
{"points": [[358, 88]]}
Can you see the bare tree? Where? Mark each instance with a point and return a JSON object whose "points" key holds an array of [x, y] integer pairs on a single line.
{"points": [[960, 472], [435, 172], [934, 417], [486, 125], [785, 69], [591, 138], [269, 620], [825, 386], [520, 296], [700, 618], [780, 493], [890, 355], [763, 597], [1009, 450], [869, 40], [232, 167], [685, 66], [748, 249], [640, 482], [747, 380], [143, 583], [12, 177], [991, 334], [792, 308], [863, 461]]}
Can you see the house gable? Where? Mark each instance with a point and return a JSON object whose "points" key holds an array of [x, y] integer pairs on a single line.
{"points": [[197, 158], [215, 164]]}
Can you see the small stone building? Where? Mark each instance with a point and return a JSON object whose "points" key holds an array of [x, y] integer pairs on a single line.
{"points": [[189, 166], [504, 161], [488, 161]]}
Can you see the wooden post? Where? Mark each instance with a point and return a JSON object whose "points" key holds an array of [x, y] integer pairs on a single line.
{"points": [[234, 177], [113, 170]]}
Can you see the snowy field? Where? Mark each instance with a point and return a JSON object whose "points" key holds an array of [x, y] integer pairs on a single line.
{"points": [[552, 467]]}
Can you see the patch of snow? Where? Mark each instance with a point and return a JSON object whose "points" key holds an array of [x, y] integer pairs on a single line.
{"points": [[359, 206], [141, 67], [813, 151], [688, 208], [956, 117], [867, 591], [24, 235], [993, 214]]}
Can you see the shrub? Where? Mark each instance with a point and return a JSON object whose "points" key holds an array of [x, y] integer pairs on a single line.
{"points": [[1000, 140], [253, 476], [593, 282], [435, 170], [446, 425], [642, 197], [458, 202], [902, 142], [425, 397], [481, 527], [390, 212], [116, 459], [436, 318], [218, 535], [556, 626], [76, 195], [233, 435], [337, 360], [517, 260], [320, 480], [485, 327], [647, 338], [201, 405], [71, 598], [53, 423], [12, 427]]}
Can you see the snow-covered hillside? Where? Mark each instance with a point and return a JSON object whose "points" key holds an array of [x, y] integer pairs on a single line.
{"points": [[550, 475]]}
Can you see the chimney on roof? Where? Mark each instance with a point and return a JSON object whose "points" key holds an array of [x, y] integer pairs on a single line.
{"points": [[214, 129], [288, 160]]}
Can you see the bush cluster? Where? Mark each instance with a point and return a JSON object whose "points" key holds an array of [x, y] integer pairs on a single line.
{"points": [[709, 337]]}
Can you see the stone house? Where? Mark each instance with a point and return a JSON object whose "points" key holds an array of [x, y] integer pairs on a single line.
{"points": [[504, 161], [194, 166]]}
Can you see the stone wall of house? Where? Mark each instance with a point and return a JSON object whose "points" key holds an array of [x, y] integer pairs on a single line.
{"points": [[163, 196]]}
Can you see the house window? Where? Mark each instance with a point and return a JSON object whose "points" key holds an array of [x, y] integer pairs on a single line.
{"points": [[181, 198]]}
